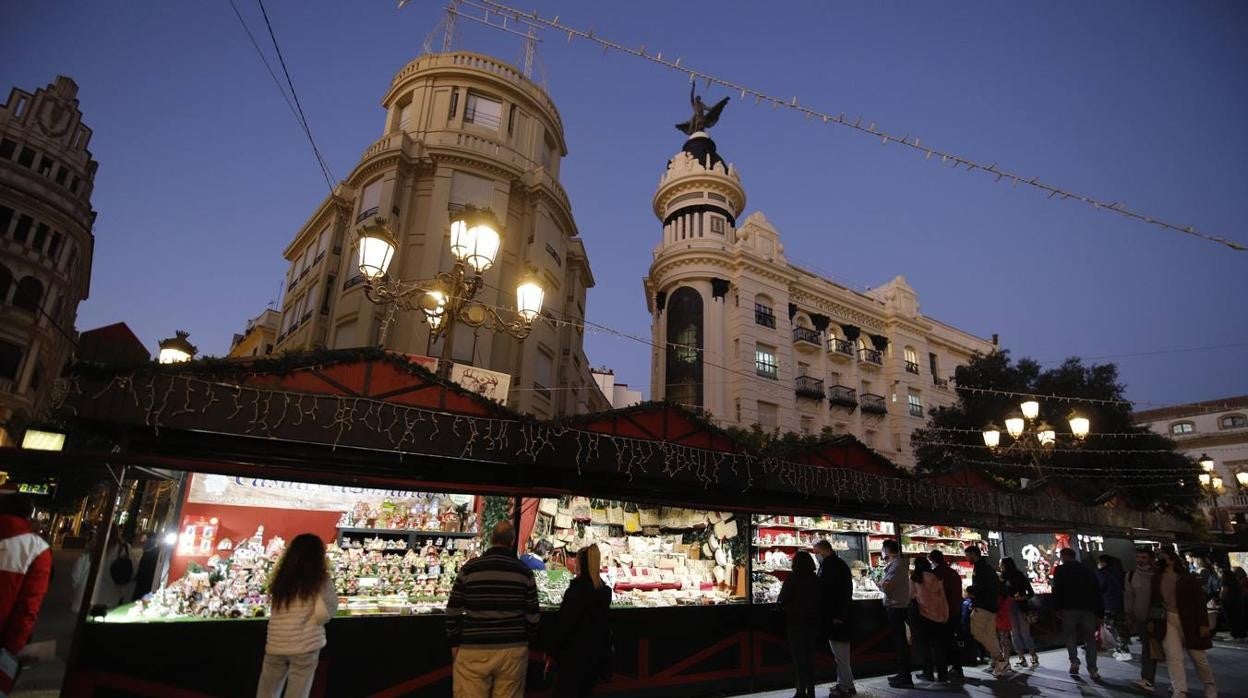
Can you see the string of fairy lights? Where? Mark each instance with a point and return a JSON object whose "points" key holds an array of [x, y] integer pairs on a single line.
{"points": [[855, 123]]}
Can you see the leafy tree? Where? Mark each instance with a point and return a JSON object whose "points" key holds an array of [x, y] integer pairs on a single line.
{"points": [[1146, 470]]}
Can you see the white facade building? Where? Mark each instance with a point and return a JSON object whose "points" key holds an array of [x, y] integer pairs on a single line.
{"points": [[618, 394], [1214, 428], [751, 338]]}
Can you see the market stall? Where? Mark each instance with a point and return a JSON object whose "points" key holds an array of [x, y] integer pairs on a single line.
{"points": [[376, 422], [777, 538]]}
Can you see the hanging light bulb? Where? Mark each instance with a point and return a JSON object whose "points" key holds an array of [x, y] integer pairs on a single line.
{"points": [[1031, 409], [1080, 426], [1206, 463], [1014, 425], [992, 436]]}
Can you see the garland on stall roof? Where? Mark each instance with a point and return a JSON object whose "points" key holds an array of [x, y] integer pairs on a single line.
{"points": [[261, 411]]}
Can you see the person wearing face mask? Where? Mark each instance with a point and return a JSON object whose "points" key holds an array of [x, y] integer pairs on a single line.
{"points": [[1137, 599], [1177, 596]]}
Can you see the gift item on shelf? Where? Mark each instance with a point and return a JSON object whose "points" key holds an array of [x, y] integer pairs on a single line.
{"points": [[651, 556], [229, 588], [422, 511], [778, 538]]}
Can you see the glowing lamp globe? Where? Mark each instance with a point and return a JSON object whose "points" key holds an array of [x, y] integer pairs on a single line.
{"points": [[529, 296], [376, 250], [1204, 478], [1031, 409], [992, 436], [1045, 434], [1242, 478], [1080, 426], [1206, 463], [1014, 426], [475, 238], [176, 349]]}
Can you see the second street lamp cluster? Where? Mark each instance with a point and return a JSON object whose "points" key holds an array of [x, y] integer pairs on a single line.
{"points": [[449, 297], [1035, 439]]}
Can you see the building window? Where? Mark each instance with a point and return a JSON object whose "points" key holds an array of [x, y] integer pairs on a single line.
{"points": [[10, 360], [61, 173], [916, 404], [511, 120], [454, 104], [1182, 428], [912, 361], [22, 231], [29, 294], [933, 364], [803, 369], [768, 415], [7, 148], [74, 184], [483, 110], [55, 246], [684, 354], [547, 154], [765, 361], [763, 314], [329, 286], [322, 242], [554, 255], [45, 166], [544, 372], [41, 237], [370, 200], [27, 157], [717, 225], [405, 116], [1232, 421], [6, 282]]}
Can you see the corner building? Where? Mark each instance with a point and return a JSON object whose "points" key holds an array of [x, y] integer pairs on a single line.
{"points": [[46, 243], [751, 338], [460, 129]]}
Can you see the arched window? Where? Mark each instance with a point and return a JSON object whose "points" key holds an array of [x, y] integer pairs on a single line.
{"points": [[684, 352], [1232, 421], [1180, 428], [29, 294], [6, 282], [912, 360]]}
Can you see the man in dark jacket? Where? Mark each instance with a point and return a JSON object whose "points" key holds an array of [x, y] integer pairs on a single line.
{"points": [[987, 588], [837, 587], [952, 582], [1077, 597]]}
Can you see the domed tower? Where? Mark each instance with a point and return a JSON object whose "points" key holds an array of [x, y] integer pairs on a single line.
{"points": [[687, 290], [46, 178]]}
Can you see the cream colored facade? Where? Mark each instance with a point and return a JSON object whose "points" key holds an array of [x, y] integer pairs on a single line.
{"points": [[460, 129], [618, 394], [46, 243], [752, 338], [1216, 428], [259, 338]]}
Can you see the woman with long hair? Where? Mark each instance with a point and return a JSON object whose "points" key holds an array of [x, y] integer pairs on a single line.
{"points": [[582, 647], [929, 619], [1018, 588], [302, 600], [1179, 621], [799, 599]]}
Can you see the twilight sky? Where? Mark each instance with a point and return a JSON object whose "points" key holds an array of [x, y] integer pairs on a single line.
{"points": [[204, 175]]}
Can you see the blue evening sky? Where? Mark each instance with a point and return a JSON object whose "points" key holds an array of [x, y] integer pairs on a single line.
{"points": [[204, 175]]}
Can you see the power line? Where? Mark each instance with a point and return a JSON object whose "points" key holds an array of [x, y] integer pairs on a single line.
{"points": [[303, 119], [853, 123], [264, 59]]}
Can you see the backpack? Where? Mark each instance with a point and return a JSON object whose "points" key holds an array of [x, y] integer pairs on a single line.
{"points": [[122, 569]]}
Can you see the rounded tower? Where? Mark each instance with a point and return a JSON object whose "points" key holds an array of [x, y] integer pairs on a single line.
{"points": [[698, 201]]}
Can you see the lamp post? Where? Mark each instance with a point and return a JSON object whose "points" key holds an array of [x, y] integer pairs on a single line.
{"points": [[1027, 435], [176, 349], [1213, 487], [450, 297]]}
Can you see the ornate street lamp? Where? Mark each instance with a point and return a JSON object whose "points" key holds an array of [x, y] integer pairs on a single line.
{"points": [[1242, 478], [449, 297], [1206, 463], [1036, 439], [176, 349]]}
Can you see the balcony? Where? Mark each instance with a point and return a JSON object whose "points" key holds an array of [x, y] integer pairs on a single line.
{"points": [[806, 338], [874, 404], [871, 357], [942, 383], [841, 396], [912, 367], [916, 410], [1237, 502], [809, 387], [840, 349]]}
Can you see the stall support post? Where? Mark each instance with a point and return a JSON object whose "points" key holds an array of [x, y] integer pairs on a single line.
{"points": [[97, 567], [516, 515]]}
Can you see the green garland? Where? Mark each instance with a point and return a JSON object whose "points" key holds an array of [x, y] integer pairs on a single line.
{"points": [[495, 509]]}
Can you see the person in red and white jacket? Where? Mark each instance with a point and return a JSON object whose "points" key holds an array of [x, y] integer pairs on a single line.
{"points": [[25, 567]]}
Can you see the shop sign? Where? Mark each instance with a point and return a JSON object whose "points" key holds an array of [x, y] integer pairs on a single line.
{"points": [[35, 488], [488, 384], [281, 494]]}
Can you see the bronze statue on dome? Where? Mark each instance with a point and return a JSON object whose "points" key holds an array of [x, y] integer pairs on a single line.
{"points": [[702, 118]]}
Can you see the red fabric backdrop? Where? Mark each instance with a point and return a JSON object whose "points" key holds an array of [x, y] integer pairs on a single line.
{"points": [[239, 523]]}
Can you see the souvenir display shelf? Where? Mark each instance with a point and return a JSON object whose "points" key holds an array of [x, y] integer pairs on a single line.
{"points": [[778, 538], [920, 539], [651, 557]]}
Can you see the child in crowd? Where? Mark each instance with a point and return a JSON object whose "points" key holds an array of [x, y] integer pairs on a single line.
{"points": [[968, 604]]}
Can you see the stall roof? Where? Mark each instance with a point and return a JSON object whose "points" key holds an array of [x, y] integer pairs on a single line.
{"points": [[368, 414]]}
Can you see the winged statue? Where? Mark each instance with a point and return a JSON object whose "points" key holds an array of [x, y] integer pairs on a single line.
{"points": [[702, 118]]}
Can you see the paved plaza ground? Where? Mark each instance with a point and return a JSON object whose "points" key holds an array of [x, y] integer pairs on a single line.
{"points": [[1230, 666]]}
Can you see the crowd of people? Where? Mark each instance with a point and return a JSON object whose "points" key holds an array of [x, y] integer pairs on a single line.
{"points": [[939, 626]]}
